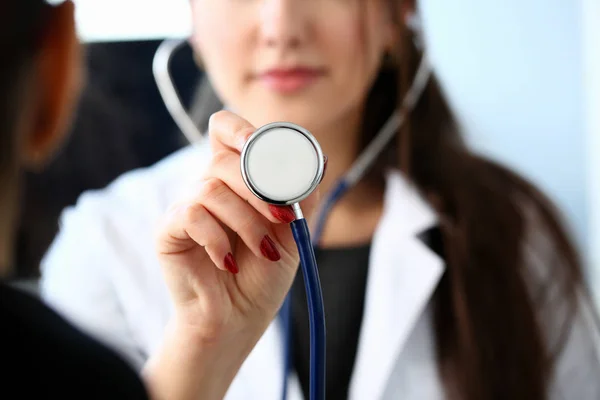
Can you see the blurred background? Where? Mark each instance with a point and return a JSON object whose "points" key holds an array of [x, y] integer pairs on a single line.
{"points": [[538, 112], [121, 124]]}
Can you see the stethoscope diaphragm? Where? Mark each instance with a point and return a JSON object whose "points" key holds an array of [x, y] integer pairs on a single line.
{"points": [[282, 163]]}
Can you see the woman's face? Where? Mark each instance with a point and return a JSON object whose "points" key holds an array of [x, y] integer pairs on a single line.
{"points": [[310, 62]]}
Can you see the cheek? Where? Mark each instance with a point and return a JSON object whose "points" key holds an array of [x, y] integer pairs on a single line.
{"points": [[376, 36], [221, 45], [341, 39], [354, 48], [213, 42]]}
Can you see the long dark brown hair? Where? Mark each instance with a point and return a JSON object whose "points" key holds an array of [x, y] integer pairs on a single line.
{"points": [[20, 23], [504, 306], [512, 275]]}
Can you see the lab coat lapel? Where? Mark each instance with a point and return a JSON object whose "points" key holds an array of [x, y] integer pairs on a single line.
{"points": [[403, 273]]}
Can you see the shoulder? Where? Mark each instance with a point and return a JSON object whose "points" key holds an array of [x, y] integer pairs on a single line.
{"points": [[107, 237], [139, 196], [66, 361], [151, 188]]}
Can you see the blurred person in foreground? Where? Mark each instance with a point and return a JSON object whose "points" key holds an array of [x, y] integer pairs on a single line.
{"points": [[445, 275], [217, 318]]}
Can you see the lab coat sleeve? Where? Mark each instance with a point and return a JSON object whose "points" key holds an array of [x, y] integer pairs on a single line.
{"points": [[78, 277], [576, 372]]}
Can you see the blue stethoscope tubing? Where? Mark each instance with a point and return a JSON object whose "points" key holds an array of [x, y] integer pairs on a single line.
{"points": [[316, 310], [314, 296]]}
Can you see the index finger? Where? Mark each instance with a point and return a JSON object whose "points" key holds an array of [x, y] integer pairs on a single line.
{"points": [[228, 131]]}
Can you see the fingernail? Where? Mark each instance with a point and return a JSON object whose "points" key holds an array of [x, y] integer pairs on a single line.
{"points": [[284, 214], [268, 249], [230, 264], [325, 159]]}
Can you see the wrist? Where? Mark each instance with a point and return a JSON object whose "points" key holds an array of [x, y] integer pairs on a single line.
{"points": [[192, 365]]}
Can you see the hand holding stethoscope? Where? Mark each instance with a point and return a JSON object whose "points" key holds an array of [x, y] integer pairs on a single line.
{"points": [[228, 257], [225, 229]]}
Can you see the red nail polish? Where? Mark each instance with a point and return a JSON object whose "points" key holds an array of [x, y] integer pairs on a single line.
{"points": [[283, 214], [230, 264], [268, 249]]}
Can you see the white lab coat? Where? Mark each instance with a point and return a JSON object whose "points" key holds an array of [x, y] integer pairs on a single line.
{"points": [[101, 272]]}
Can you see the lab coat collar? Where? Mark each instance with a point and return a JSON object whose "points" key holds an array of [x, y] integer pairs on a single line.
{"points": [[403, 274]]}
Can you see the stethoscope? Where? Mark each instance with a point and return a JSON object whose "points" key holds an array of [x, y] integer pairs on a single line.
{"points": [[287, 180]]}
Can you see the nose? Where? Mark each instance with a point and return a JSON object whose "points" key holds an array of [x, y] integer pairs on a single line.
{"points": [[283, 23]]}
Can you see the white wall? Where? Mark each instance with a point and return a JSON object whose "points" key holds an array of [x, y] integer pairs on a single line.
{"points": [[113, 20], [512, 70], [591, 32]]}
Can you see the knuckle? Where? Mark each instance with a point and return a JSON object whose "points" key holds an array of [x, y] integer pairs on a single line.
{"points": [[248, 223], [220, 158], [213, 189], [217, 240], [193, 213], [171, 216], [198, 184]]}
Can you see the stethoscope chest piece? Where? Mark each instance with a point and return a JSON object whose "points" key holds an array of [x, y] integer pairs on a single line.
{"points": [[282, 163]]}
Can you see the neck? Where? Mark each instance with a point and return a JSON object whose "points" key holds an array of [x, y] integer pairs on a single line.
{"points": [[340, 142], [354, 218]]}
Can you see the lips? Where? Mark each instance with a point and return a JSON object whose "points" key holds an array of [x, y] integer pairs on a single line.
{"points": [[290, 80]]}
